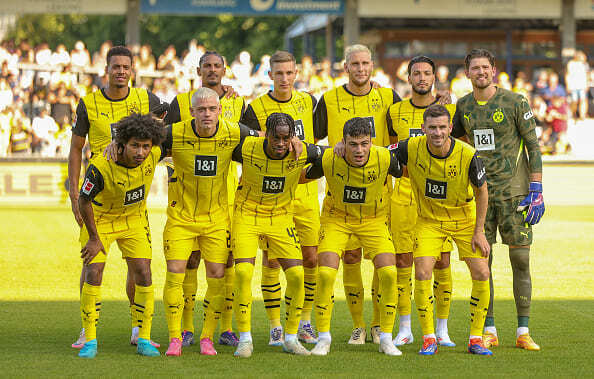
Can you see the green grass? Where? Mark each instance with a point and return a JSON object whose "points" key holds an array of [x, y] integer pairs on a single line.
{"points": [[39, 311]]}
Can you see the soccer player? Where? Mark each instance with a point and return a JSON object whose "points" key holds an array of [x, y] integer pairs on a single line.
{"points": [[96, 115], [355, 206], [445, 176], [264, 208], [300, 105], [357, 98], [211, 69], [201, 148], [501, 126], [112, 205], [404, 120]]}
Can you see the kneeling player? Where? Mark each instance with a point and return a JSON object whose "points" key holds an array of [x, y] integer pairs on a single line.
{"points": [[355, 205], [113, 207], [445, 176]]}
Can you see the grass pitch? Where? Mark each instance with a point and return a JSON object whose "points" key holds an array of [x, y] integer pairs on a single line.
{"points": [[39, 308]]}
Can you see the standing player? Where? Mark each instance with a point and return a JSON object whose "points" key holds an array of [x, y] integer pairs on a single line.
{"points": [[299, 105], [404, 120], [445, 176], [357, 98], [113, 208], [96, 115], [264, 209], [501, 126], [197, 213], [211, 69], [353, 207]]}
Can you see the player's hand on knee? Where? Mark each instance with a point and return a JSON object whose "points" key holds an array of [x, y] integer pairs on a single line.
{"points": [[75, 208], [479, 241], [339, 149], [111, 151], [533, 204], [91, 249]]}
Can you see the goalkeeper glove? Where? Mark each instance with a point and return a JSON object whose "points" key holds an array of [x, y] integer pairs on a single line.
{"points": [[534, 203]]}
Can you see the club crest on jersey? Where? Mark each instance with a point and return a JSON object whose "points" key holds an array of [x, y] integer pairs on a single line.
{"points": [[375, 105], [371, 176], [148, 170], [498, 116], [224, 143], [299, 106], [452, 171], [133, 108], [228, 114], [291, 164]]}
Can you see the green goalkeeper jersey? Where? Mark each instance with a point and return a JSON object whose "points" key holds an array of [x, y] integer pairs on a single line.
{"points": [[503, 133]]}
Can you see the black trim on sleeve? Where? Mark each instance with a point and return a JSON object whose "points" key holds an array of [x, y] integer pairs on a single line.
{"points": [[250, 119], [458, 129], [476, 171], [174, 114], [314, 101], [237, 154], [316, 170], [402, 152], [320, 120], [395, 97], [395, 169], [167, 145], [391, 131], [314, 152], [156, 105], [245, 131], [81, 127], [92, 184]]}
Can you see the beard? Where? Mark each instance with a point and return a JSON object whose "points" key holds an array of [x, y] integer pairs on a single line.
{"points": [[360, 83], [421, 91]]}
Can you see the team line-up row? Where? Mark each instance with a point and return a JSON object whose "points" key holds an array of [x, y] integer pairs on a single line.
{"points": [[461, 189]]}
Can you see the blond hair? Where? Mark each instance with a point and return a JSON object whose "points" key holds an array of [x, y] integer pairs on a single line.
{"points": [[204, 93], [350, 50]]}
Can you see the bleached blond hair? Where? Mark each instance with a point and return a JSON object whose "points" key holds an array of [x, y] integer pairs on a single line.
{"points": [[350, 50], [204, 93]]}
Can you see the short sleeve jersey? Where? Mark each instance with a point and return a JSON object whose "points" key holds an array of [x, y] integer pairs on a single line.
{"points": [[338, 105], [356, 194], [503, 133], [300, 107], [118, 193], [97, 114], [441, 185], [404, 121], [268, 185], [232, 108], [201, 166]]}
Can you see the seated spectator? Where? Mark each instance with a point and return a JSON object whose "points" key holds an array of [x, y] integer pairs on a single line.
{"points": [[60, 57], [554, 89], [168, 60], [80, 57], [44, 128], [20, 138]]}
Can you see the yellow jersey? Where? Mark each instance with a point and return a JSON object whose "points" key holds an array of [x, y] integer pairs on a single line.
{"points": [[356, 194], [338, 105], [97, 114], [404, 121], [268, 185], [118, 193], [441, 185]]}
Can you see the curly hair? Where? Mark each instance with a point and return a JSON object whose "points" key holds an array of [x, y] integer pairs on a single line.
{"points": [[356, 127], [279, 119], [142, 127]]}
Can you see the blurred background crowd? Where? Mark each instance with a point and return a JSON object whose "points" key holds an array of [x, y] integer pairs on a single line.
{"points": [[40, 88]]}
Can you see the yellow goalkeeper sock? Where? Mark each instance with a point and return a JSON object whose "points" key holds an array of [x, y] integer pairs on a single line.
{"points": [[173, 300], [442, 290], [294, 296], [190, 287], [88, 310], [424, 302], [309, 284], [243, 296], [354, 293], [387, 294], [479, 302], [144, 306], [227, 316], [271, 293], [324, 301], [213, 306]]}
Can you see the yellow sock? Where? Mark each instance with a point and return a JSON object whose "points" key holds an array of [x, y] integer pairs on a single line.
{"points": [[271, 293], [324, 301], [387, 291], [404, 290], [375, 298], [424, 302], [243, 296], [294, 296], [88, 309], [144, 304], [479, 302], [227, 316], [442, 290], [190, 287], [173, 300], [214, 301], [309, 284], [354, 293]]}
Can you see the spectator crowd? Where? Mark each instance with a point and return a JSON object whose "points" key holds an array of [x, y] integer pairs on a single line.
{"points": [[39, 89]]}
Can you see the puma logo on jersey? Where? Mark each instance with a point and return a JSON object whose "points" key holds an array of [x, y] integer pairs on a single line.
{"points": [[346, 109], [467, 117], [259, 167], [404, 119], [524, 234], [191, 143], [341, 176], [120, 183], [105, 114]]}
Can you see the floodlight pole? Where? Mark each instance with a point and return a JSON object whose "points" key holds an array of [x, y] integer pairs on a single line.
{"points": [[351, 22], [133, 23]]}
